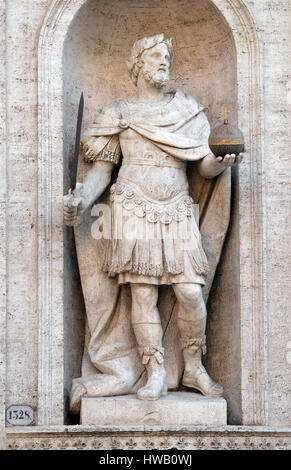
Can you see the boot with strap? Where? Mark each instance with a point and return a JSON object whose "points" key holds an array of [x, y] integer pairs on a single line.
{"points": [[156, 386], [195, 375], [149, 340]]}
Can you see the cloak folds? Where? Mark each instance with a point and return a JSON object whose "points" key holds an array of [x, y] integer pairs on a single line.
{"points": [[111, 363]]}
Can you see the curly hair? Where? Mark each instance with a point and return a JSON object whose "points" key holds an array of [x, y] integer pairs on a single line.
{"points": [[139, 47]]}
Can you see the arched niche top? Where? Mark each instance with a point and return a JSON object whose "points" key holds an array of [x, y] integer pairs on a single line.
{"points": [[100, 38], [50, 187], [61, 14]]}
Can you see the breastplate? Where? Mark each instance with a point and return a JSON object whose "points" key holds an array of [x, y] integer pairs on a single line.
{"points": [[152, 158]]}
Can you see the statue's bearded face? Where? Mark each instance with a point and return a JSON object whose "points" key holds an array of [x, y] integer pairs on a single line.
{"points": [[156, 65]]}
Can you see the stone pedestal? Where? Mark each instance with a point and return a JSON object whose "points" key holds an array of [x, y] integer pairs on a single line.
{"points": [[177, 408]]}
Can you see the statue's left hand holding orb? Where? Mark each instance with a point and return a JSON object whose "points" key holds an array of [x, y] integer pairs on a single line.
{"points": [[71, 202], [231, 159]]}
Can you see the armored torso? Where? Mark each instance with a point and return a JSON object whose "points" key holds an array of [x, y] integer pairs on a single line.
{"points": [[158, 175]]}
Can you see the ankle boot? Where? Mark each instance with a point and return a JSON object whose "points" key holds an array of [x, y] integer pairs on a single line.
{"points": [[195, 376], [156, 386]]}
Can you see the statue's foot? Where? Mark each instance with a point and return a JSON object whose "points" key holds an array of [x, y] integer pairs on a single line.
{"points": [[152, 391], [96, 385], [77, 393], [156, 385], [199, 379]]}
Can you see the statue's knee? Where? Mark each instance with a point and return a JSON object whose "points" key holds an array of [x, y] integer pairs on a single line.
{"points": [[144, 304], [144, 296], [189, 295]]}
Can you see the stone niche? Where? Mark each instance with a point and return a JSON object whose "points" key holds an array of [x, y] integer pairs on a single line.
{"points": [[83, 47], [97, 46]]}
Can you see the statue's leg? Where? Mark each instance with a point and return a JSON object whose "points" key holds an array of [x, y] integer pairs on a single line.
{"points": [[192, 323], [148, 332]]}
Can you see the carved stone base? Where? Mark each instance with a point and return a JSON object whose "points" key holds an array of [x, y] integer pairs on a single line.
{"points": [[177, 408]]}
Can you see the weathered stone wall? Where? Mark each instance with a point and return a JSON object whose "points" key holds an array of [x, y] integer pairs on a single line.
{"points": [[23, 23], [273, 19], [19, 199], [274, 23]]}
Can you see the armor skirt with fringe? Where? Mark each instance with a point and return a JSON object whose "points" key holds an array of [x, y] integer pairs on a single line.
{"points": [[153, 241]]}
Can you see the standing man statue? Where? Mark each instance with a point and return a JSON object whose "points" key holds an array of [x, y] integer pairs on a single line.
{"points": [[154, 238]]}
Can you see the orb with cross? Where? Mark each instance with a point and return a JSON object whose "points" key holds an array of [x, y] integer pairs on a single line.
{"points": [[226, 139]]}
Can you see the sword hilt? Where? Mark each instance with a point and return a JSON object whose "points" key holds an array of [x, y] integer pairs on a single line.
{"points": [[72, 200]]}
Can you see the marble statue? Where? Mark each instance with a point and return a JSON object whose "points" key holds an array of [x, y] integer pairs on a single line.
{"points": [[150, 137]]}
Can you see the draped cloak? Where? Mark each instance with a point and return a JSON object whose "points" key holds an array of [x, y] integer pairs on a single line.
{"points": [[111, 364]]}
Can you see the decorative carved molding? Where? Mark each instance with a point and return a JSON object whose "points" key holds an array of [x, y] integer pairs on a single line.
{"points": [[230, 438], [251, 204]]}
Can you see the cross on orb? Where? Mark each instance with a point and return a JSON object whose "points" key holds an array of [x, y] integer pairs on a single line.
{"points": [[226, 113]]}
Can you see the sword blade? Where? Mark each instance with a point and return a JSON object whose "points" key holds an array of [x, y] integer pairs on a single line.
{"points": [[74, 161]]}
